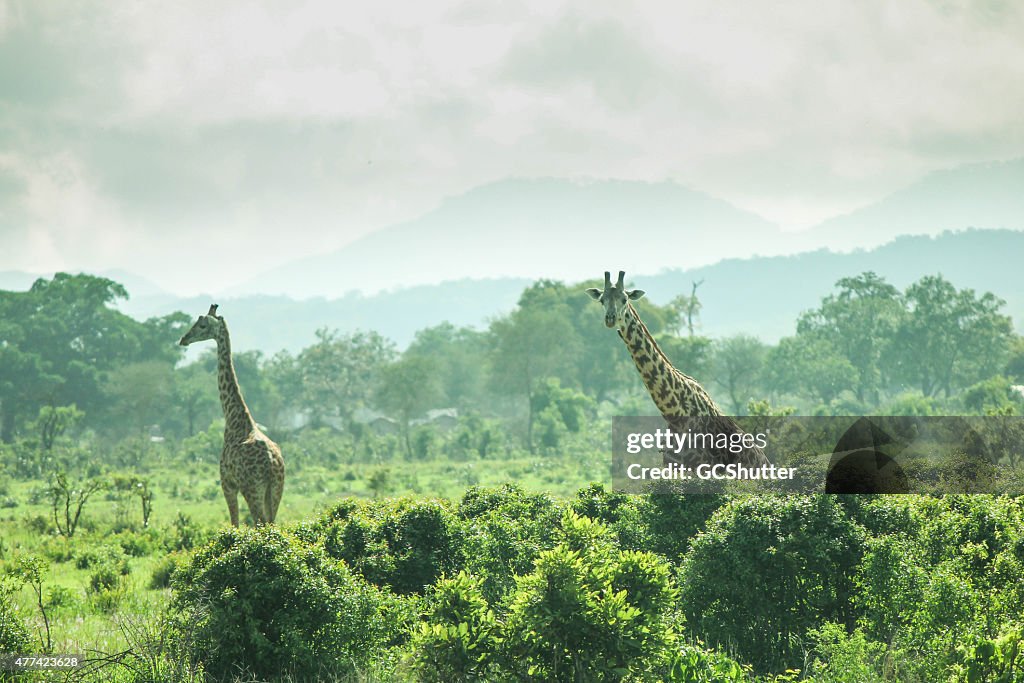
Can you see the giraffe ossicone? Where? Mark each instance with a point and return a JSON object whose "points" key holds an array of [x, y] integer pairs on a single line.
{"points": [[678, 397], [250, 463]]}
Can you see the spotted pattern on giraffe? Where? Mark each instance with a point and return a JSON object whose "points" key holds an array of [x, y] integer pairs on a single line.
{"points": [[250, 462], [678, 397]]}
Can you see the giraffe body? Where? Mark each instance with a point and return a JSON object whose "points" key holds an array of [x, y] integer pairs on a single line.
{"points": [[680, 399], [250, 463]]}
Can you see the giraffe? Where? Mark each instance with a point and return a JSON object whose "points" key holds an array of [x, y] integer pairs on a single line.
{"points": [[250, 462], [677, 396]]}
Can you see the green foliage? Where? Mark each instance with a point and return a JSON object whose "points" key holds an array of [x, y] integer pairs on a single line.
{"points": [[184, 534], [991, 396], [768, 568], [163, 572], [949, 338], [14, 635], [994, 660], [337, 372], [589, 611], [407, 388], [404, 544], [260, 601], [460, 636], [53, 422], [738, 367], [842, 657], [68, 499], [859, 322], [695, 664], [507, 530]]}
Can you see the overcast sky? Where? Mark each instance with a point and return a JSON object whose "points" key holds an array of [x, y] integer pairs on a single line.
{"points": [[198, 143]]}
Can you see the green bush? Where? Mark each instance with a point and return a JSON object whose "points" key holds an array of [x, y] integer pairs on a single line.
{"points": [[14, 635], [591, 612], [460, 636], [91, 557], [259, 601], [507, 530], [694, 664], [164, 570], [766, 570], [941, 573], [404, 544], [841, 657]]}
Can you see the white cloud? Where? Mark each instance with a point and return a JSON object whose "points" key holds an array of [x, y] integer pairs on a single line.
{"points": [[303, 125]]}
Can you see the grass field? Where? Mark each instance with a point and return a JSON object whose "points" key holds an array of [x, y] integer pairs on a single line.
{"points": [[94, 615]]}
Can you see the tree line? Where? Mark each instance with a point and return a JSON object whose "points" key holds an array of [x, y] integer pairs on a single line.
{"points": [[69, 360]]}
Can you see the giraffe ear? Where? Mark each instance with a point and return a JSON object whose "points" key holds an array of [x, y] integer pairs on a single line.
{"points": [[635, 294], [594, 293]]}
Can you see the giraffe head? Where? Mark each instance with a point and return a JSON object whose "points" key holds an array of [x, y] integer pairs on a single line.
{"points": [[615, 298], [208, 326]]}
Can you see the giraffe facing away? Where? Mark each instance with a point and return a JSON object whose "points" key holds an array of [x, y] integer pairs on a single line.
{"points": [[250, 462], [677, 396]]}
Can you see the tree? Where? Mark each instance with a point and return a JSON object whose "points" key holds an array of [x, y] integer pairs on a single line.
{"points": [[685, 309], [140, 394], [738, 364], [24, 383], [408, 387], [810, 365], [54, 421], [950, 339], [139, 487], [800, 552], [457, 356], [528, 346], [68, 498], [60, 339], [339, 372], [859, 321], [195, 395]]}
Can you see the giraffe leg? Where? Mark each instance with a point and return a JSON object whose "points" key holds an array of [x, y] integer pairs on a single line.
{"points": [[255, 501], [231, 496], [275, 489], [268, 502]]}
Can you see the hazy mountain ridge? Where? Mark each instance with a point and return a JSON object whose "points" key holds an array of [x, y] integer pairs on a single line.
{"points": [[550, 227], [762, 296], [987, 195], [534, 228]]}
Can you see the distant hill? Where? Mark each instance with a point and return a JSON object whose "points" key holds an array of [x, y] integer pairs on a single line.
{"points": [[764, 296], [989, 195], [272, 323], [534, 228], [761, 296]]}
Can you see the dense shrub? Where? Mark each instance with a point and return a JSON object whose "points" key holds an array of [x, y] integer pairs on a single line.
{"points": [[258, 600], [940, 573], [590, 611], [766, 570], [14, 635], [507, 530], [404, 544], [164, 570], [460, 636], [841, 657]]}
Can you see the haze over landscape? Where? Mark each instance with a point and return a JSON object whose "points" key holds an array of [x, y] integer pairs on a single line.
{"points": [[355, 158]]}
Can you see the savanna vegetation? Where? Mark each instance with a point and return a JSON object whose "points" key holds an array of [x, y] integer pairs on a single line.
{"points": [[447, 514]]}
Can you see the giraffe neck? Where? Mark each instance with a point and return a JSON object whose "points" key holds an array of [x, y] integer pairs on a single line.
{"points": [[238, 422], [674, 394]]}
